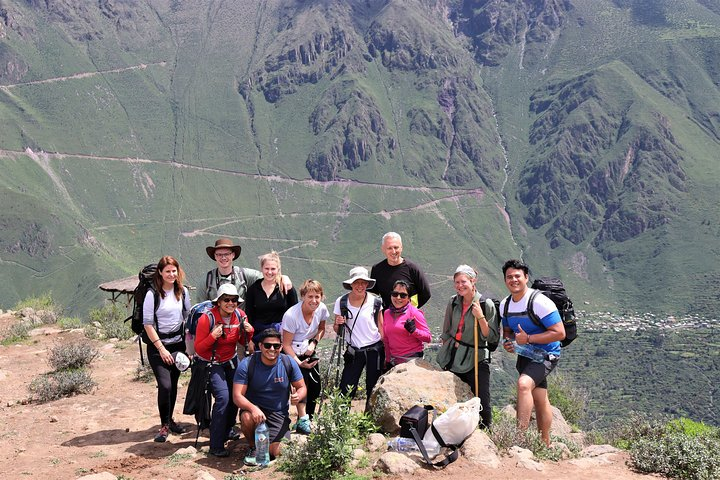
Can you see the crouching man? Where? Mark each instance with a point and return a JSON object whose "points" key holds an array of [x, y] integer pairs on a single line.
{"points": [[262, 386]]}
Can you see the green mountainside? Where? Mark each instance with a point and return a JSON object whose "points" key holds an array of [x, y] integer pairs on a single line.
{"points": [[581, 135]]}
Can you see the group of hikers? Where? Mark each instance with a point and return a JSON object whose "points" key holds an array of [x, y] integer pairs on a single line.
{"points": [[259, 339]]}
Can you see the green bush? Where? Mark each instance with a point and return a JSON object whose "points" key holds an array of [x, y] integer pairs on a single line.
{"points": [[69, 322], [111, 319], [16, 333], [63, 383], [42, 302], [143, 373], [70, 356], [328, 450], [568, 397], [505, 434]]}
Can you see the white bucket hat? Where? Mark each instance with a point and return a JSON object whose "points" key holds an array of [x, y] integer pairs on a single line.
{"points": [[226, 289], [358, 273]]}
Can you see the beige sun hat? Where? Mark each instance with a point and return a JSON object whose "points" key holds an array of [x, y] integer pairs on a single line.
{"points": [[226, 289], [358, 273]]}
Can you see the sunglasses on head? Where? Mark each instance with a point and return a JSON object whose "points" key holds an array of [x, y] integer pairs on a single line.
{"points": [[229, 299], [399, 294], [274, 346]]}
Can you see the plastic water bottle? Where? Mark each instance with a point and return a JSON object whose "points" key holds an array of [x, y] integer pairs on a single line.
{"points": [[532, 352], [262, 444], [402, 444]]}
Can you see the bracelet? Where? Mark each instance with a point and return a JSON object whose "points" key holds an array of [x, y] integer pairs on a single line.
{"points": [[158, 340]]}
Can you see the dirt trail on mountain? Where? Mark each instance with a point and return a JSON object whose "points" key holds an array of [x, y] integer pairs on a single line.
{"points": [[112, 428], [76, 76]]}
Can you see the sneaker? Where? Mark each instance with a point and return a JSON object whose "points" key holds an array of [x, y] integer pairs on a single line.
{"points": [[303, 425], [220, 453], [233, 435], [162, 434], [250, 458], [177, 429]]}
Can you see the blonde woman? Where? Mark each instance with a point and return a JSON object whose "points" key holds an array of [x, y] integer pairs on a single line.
{"points": [[265, 302]]}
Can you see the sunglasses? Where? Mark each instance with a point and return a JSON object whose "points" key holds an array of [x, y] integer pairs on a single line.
{"points": [[229, 299], [399, 294], [274, 346]]}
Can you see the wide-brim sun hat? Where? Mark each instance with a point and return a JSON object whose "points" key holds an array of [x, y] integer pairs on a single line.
{"points": [[358, 273], [228, 289], [223, 243], [182, 362]]}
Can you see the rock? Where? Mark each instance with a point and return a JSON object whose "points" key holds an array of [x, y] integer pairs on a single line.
{"points": [[376, 442], [204, 475], [396, 463], [565, 452], [525, 459], [53, 419], [416, 382], [559, 427], [591, 462], [189, 450], [480, 450], [99, 476], [597, 450]]}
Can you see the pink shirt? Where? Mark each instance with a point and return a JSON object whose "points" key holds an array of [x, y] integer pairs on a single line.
{"points": [[399, 344]]}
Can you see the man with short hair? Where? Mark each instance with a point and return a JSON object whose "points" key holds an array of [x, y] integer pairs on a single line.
{"points": [[224, 252], [545, 338], [262, 385], [395, 268]]}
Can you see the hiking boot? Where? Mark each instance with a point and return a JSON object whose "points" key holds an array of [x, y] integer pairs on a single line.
{"points": [[162, 434], [177, 429], [303, 425], [250, 458], [220, 453]]}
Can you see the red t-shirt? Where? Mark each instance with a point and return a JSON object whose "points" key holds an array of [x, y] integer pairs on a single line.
{"points": [[226, 346]]}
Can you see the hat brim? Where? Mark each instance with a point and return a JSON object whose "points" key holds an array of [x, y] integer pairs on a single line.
{"points": [[236, 249], [347, 284]]}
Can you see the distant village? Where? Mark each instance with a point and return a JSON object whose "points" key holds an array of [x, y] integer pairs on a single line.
{"points": [[603, 321]]}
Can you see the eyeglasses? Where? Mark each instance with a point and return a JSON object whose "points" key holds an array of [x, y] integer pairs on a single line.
{"points": [[399, 294], [274, 346], [229, 299], [223, 255]]}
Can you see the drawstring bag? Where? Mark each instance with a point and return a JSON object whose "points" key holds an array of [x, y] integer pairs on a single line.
{"points": [[449, 430]]}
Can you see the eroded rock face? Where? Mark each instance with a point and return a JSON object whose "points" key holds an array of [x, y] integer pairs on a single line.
{"points": [[417, 382]]}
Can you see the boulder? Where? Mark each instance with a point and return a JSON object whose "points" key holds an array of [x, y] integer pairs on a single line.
{"points": [[525, 459], [417, 382], [479, 449], [376, 442], [395, 463]]}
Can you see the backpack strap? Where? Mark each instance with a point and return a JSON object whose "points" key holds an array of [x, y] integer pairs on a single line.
{"points": [[531, 311], [450, 458], [208, 279], [377, 306], [286, 363], [344, 306]]}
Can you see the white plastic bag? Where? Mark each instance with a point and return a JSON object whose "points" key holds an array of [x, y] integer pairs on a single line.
{"points": [[455, 425]]}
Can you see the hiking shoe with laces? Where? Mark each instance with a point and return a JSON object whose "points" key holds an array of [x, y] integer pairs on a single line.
{"points": [[303, 425], [250, 458], [177, 429], [162, 434], [220, 453]]}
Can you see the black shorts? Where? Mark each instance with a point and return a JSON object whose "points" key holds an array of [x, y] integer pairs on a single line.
{"points": [[537, 371], [278, 425]]}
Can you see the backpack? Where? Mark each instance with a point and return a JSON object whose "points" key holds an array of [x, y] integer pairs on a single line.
{"points": [[237, 277], [344, 311], [554, 289]]}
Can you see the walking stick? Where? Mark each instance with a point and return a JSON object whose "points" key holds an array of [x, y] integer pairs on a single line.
{"points": [[337, 349], [475, 337]]}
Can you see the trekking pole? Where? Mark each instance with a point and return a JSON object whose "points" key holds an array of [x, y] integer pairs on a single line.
{"points": [[475, 337], [337, 349]]}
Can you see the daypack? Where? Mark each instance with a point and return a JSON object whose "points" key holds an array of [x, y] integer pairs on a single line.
{"points": [[237, 278], [554, 289], [344, 311], [492, 344]]}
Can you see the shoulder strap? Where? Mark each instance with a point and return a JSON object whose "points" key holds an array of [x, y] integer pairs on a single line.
{"points": [[377, 306], [240, 273], [344, 305], [208, 279], [450, 458], [531, 311], [251, 368], [506, 306]]}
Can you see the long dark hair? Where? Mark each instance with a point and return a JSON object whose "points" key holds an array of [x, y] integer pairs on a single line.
{"points": [[178, 287]]}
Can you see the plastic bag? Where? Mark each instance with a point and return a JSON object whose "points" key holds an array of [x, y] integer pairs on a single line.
{"points": [[455, 425]]}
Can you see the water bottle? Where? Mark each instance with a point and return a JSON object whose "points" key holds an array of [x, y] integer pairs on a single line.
{"points": [[402, 444], [262, 444], [532, 352]]}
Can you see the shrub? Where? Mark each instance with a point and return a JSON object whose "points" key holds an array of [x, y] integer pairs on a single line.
{"points": [[143, 373], [111, 319], [16, 333], [505, 434], [69, 356], [328, 450], [69, 322], [568, 397], [63, 383], [42, 302]]}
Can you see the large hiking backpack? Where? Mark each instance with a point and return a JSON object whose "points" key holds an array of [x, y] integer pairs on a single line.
{"points": [[554, 289], [145, 283], [492, 345]]}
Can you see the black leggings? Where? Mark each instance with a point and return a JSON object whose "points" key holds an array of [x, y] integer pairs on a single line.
{"points": [[312, 383], [166, 377], [483, 394], [370, 359]]}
